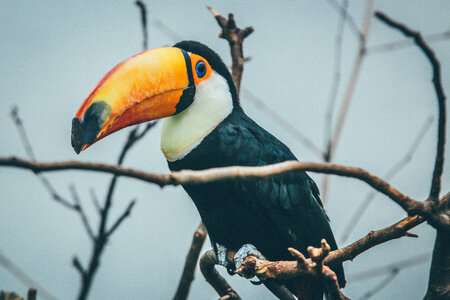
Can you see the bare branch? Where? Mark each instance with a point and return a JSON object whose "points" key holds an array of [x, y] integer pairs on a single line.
{"points": [[334, 138], [80, 210], [352, 83], [437, 82], [383, 270], [396, 45], [439, 282], [220, 285], [314, 266], [167, 31], [22, 133], [385, 282], [143, 10], [217, 174], [77, 264], [342, 9], [235, 37], [122, 217], [95, 201], [191, 262], [391, 173], [30, 153], [373, 239], [282, 270], [336, 72]]}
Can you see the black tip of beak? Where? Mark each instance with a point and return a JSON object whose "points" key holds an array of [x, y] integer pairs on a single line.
{"points": [[86, 131], [77, 139]]}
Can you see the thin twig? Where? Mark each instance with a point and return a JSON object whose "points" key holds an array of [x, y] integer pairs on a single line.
{"points": [[122, 217], [390, 174], [385, 282], [336, 72], [143, 11], [187, 276], [166, 30], [81, 212], [30, 153], [95, 201], [396, 45], [348, 96], [342, 9], [437, 83], [23, 277], [380, 271], [78, 266]]}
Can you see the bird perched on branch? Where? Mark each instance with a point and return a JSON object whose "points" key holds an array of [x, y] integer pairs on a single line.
{"points": [[205, 127]]}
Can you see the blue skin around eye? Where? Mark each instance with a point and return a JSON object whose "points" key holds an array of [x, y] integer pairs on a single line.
{"points": [[200, 65]]}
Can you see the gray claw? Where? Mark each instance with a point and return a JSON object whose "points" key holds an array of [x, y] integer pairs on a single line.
{"points": [[246, 250]]}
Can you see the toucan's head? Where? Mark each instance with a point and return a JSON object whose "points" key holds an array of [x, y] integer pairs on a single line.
{"points": [[151, 85]]}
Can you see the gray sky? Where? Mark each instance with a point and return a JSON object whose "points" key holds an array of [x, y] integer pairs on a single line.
{"points": [[53, 52]]}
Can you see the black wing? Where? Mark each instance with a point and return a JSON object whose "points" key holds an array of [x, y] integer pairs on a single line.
{"points": [[290, 202]]}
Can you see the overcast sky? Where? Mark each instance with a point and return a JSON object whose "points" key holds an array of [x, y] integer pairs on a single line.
{"points": [[53, 52]]}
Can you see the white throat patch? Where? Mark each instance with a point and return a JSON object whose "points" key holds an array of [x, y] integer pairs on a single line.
{"points": [[183, 132]]}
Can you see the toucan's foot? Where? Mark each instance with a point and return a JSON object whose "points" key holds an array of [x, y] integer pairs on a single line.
{"points": [[246, 250]]}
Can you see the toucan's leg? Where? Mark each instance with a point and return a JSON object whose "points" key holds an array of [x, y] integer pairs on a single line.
{"points": [[246, 250], [221, 254]]}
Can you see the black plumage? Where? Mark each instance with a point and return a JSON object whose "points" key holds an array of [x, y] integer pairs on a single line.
{"points": [[270, 213]]}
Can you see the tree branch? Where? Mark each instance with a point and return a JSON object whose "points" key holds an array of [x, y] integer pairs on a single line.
{"points": [[282, 270], [220, 285], [191, 262], [235, 37], [217, 174], [80, 210], [122, 217], [143, 11], [430, 38], [348, 95], [437, 82]]}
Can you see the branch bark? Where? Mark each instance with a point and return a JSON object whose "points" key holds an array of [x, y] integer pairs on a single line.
{"points": [[191, 262], [437, 83], [235, 37], [220, 285], [218, 174]]}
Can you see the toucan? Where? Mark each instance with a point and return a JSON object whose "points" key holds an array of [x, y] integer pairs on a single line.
{"points": [[205, 127]]}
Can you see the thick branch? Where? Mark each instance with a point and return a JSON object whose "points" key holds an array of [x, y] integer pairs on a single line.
{"points": [[437, 82], [373, 239], [191, 262], [303, 266], [220, 285], [282, 270]]}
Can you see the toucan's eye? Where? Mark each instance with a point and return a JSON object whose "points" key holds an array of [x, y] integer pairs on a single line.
{"points": [[200, 68]]}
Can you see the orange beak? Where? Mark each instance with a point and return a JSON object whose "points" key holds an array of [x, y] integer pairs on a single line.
{"points": [[151, 85]]}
